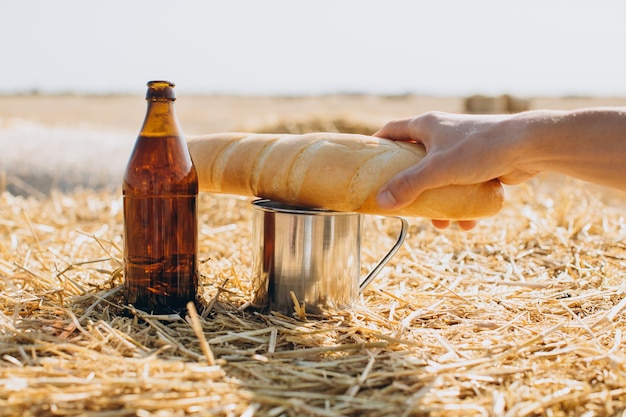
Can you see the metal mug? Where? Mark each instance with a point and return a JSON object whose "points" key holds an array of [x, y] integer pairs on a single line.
{"points": [[314, 254]]}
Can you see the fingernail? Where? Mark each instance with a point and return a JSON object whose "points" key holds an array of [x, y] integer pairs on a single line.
{"points": [[385, 200]]}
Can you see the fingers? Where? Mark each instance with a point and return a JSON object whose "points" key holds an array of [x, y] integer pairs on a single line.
{"points": [[401, 130], [407, 185], [467, 224], [463, 224], [440, 224], [401, 190]]}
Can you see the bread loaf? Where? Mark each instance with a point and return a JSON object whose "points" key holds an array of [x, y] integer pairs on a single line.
{"points": [[333, 171]]}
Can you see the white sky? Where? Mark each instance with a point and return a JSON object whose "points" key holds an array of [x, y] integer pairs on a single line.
{"points": [[443, 47]]}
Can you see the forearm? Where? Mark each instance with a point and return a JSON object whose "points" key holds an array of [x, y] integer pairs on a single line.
{"points": [[588, 144]]}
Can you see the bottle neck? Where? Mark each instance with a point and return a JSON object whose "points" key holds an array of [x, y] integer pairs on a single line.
{"points": [[161, 119]]}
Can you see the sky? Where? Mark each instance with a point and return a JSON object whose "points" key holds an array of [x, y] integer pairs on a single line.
{"points": [[291, 47]]}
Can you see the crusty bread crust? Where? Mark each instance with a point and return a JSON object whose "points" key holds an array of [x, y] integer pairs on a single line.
{"points": [[333, 171]]}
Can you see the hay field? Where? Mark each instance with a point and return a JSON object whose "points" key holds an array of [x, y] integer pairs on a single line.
{"points": [[523, 316]]}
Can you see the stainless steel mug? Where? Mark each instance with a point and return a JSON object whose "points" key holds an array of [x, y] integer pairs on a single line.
{"points": [[314, 254]]}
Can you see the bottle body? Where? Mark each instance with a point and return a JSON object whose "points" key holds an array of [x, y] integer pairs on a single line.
{"points": [[160, 192]]}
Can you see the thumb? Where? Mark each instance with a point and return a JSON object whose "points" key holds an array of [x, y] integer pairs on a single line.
{"points": [[401, 189]]}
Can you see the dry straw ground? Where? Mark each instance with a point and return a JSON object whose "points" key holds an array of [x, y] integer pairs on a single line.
{"points": [[523, 316]]}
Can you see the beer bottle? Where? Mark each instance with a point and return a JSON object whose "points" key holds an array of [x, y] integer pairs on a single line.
{"points": [[160, 193]]}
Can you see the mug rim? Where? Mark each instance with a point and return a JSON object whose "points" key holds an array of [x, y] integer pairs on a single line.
{"points": [[278, 207]]}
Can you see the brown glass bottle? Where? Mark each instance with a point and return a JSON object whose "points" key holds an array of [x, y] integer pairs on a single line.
{"points": [[160, 193]]}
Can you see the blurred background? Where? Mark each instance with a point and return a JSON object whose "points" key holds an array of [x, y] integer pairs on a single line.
{"points": [[73, 73]]}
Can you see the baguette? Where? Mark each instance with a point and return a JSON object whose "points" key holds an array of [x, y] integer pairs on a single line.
{"points": [[332, 171]]}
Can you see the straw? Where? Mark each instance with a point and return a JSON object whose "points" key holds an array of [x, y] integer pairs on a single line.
{"points": [[523, 316]]}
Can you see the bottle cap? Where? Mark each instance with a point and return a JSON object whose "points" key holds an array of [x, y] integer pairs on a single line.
{"points": [[160, 90]]}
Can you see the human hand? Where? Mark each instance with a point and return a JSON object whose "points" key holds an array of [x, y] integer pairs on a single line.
{"points": [[460, 149]]}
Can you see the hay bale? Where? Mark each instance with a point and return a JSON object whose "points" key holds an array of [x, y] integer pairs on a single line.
{"points": [[480, 104]]}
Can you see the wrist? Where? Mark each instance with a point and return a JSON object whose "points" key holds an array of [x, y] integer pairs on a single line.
{"points": [[535, 139]]}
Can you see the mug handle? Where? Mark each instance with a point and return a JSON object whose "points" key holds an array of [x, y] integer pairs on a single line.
{"points": [[387, 257]]}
